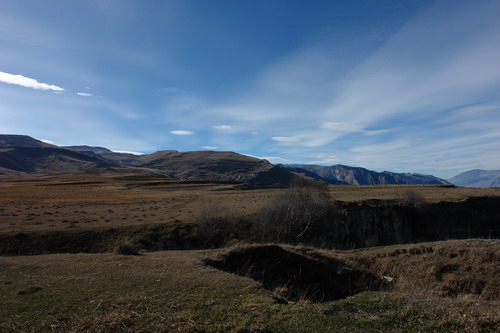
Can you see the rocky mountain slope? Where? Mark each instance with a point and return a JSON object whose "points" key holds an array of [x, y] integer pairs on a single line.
{"points": [[23, 154], [477, 178], [342, 174], [10, 141]]}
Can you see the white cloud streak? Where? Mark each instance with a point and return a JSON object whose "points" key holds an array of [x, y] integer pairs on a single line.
{"points": [[433, 63], [415, 102], [210, 147], [27, 82], [172, 90], [181, 132], [285, 139], [222, 127], [84, 94], [127, 152], [275, 159]]}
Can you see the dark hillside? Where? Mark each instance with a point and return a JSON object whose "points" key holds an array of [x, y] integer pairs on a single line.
{"points": [[48, 159], [10, 140], [342, 174]]}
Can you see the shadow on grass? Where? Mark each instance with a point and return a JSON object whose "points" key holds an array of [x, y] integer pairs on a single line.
{"points": [[297, 276]]}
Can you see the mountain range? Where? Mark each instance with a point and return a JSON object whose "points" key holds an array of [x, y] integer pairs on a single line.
{"points": [[477, 178], [21, 154], [347, 175]]}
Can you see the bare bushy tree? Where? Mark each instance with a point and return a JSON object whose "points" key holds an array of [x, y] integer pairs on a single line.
{"points": [[217, 228], [293, 215], [411, 198]]}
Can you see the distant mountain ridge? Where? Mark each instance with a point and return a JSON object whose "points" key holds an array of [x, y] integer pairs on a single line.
{"points": [[477, 178], [342, 174], [12, 140], [89, 148], [23, 154]]}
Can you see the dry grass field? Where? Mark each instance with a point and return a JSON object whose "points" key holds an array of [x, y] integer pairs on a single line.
{"points": [[449, 286], [61, 202], [95, 201], [429, 193]]}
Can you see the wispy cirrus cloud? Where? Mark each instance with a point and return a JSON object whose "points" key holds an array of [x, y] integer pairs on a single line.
{"points": [[127, 152], [275, 159], [325, 159], [349, 128], [222, 127], [285, 139], [181, 132], [27, 82], [272, 159], [397, 102], [210, 147], [84, 94], [172, 90]]}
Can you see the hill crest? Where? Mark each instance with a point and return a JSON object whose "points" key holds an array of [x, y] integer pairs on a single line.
{"points": [[477, 178]]}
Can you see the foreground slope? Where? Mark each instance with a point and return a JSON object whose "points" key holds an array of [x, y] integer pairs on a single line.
{"points": [[477, 178], [435, 287]]}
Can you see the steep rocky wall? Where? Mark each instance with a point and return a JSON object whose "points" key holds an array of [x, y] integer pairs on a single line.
{"points": [[375, 223]]}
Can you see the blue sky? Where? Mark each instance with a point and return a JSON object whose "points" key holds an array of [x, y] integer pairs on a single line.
{"points": [[406, 86]]}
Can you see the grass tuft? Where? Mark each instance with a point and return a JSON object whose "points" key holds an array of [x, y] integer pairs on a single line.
{"points": [[29, 290], [126, 248]]}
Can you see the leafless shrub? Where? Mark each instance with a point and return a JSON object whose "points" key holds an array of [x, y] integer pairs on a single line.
{"points": [[126, 248], [294, 215], [411, 198], [217, 228]]}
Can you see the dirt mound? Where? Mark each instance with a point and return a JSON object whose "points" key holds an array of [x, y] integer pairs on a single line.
{"points": [[295, 276]]}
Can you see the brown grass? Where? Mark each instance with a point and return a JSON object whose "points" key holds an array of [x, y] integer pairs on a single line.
{"points": [[29, 290], [438, 269], [82, 202], [127, 248], [62, 202]]}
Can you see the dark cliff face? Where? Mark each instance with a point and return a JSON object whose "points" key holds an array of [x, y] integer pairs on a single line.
{"points": [[377, 223]]}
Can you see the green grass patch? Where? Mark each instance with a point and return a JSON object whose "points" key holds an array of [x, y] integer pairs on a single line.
{"points": [[173, 291]]}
